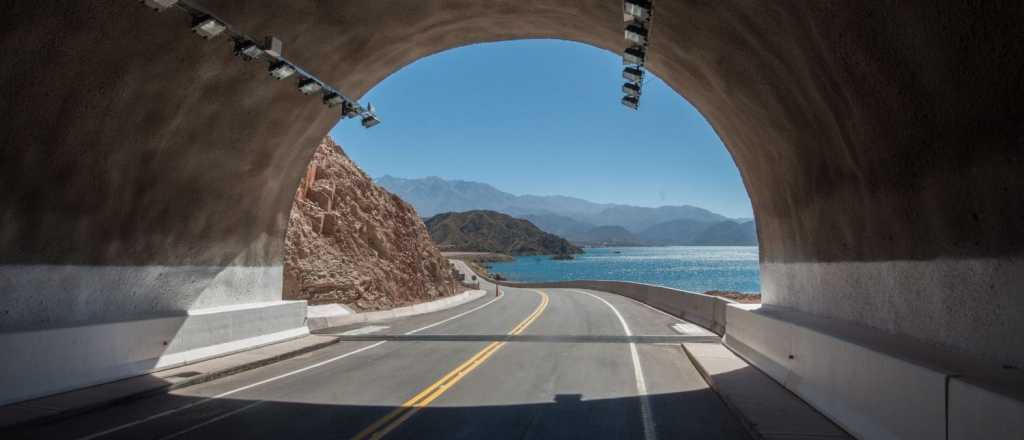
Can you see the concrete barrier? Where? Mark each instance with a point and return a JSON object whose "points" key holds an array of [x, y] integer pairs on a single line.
{"points": [[43, 362], [317, 321], [704, 310], [869, 391], [874, 384]]}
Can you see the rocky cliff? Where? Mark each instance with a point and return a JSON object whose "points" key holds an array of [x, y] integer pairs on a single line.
{"points": [[351, 242]]}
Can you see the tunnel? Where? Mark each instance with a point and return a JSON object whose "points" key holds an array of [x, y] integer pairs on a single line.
{"points": [[148, 172]]}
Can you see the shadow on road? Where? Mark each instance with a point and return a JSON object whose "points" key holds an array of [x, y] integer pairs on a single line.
{"points": [[688, 414]]}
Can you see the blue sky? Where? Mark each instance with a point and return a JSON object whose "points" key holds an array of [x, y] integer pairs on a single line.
{"points": [[543, 117]]}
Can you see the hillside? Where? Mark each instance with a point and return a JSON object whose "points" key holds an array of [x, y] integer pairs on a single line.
{"points": [[607, 236], [674, 232], [728, 233], [636, 219], [690, 232], [489, 231], [351, 242], [580, 221], [433, 195], [559, 224]]}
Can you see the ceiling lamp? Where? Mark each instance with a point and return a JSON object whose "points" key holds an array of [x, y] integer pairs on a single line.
{"points": [[636, 10], [632, 102], [281, 70], [632, 74], [309, 86], [370, 120], [159, 5], [208, 27], [333, 99], [631, 89], [636, 33], [248, 50], [634, 55]]}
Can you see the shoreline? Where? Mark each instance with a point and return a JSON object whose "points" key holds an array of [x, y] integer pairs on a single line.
{"points": [[712, 288]]}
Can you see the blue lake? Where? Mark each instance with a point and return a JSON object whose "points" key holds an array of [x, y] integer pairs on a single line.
{"points": [[693, 268]]}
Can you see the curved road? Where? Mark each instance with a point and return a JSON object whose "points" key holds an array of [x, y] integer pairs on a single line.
{"points": [[547, 363]]}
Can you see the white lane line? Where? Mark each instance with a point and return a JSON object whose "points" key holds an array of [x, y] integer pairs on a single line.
{"points": [[225, 394], [702, 330], [638, 372], [455, 317], [667, 314], [272, 379]]}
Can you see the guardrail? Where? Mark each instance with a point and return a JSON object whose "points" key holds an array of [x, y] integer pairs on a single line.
{"points": [[704, 310], [872, 383]]}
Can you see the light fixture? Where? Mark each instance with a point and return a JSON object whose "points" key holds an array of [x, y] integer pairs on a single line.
{"points": [[633, 74], [309, 86], [636, 33], [638, 15], [208, 27], [248, 50], [632, 102], [634, 55], [159, 5], [349, 110], [281, 70], [272, 46], [635, 10], [333, 99], [631, 89], [370, 120]]}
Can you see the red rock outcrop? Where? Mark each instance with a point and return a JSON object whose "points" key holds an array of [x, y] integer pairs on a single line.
{"points": [[351, 242]]}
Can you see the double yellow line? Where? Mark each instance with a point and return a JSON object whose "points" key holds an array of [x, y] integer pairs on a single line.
{"points": [[386, 424]]}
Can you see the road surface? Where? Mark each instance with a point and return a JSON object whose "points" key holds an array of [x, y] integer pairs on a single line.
{"points": [[532, 363]]}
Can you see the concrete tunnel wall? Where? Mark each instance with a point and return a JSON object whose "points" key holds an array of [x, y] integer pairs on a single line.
{"points": [[147, 171]]}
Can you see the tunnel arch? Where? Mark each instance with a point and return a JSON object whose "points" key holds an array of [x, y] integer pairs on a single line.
{"points": [[880, 145]]}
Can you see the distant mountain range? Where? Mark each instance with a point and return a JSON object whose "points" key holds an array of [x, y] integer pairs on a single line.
{"points": [[581, 221], [489, 231]]}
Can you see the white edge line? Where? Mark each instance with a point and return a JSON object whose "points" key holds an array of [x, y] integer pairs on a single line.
{"points": [[667, 314], [638, 372], [275, 378], [456, 316]]}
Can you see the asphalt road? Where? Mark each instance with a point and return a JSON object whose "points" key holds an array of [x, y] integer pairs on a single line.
{"points": [[547, 363]]}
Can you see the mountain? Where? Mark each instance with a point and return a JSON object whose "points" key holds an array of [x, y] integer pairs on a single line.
{"points": [[489, 231], [674, 232], [691, 232], [728, 233], [557, 205], [637, 219], [433, 195], [351, 242], [607, 236], [559, 224]]}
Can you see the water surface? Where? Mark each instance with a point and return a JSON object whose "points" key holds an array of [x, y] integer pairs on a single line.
{"points": [[693, 268]]}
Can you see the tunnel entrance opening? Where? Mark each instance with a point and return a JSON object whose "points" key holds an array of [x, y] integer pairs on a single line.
{"points": [[536, 117]]}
